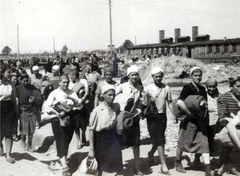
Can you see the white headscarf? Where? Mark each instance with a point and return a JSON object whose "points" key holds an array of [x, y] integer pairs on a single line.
{"points": [[132, 69], [56, 67], [106, 88], [194, 68], [35, 68], [156, 70]]}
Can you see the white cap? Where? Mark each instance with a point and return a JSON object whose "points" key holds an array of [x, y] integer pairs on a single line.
{"points": [[156, 70], [106, 88], [195, 68], [35, 68], [132, 69]]}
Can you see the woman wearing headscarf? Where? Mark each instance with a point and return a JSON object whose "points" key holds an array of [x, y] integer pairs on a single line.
{"points": [[212, 96], [29, 103], [160, 95], [103, 137], [228, 103], [9, 112], [192, 132], [108, 75], [133, 89]]}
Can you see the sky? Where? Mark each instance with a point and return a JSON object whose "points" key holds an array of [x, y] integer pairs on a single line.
{"points": [[84, 24]]}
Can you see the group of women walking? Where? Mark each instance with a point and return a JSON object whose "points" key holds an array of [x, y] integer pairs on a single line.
{"points": [[81, 99]]}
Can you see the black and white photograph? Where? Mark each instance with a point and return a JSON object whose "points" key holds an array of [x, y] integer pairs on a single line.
{"points": [[119, 87]]}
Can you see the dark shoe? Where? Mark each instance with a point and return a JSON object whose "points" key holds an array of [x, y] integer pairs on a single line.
{"points": [[10, 160], [151, 159], [1, 152], [179, 167], [165, 172], [137, 173], [215, 173]]}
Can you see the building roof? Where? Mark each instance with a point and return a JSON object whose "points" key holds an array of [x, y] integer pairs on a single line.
{"points": [[203, 35], [167, 38], [189, 43], [183, 37]]}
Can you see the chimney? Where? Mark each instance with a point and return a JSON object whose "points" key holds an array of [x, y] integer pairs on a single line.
{"points": [[161, 35], [177, 34], [194, 33]]}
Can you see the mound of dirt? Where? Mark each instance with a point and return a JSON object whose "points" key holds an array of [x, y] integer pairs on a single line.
{"points": [[175, 66]]}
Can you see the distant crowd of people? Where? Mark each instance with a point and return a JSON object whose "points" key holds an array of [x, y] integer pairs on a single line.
{"points": [[74, 96]]}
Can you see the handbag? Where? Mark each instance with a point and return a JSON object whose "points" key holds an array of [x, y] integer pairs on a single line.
{"points": [[88, 166], [224, 139]]}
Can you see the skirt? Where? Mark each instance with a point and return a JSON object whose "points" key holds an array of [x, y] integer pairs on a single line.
{"points": [[157, 124], [27, 123], [81, 118], [108, 151], [8, 119], [131, 137], [193, 137]]}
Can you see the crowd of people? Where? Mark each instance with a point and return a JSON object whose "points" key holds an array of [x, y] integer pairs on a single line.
{"points": [[74, 99]]}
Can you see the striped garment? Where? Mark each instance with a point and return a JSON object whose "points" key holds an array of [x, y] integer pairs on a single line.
{"points": [[227, 104]]}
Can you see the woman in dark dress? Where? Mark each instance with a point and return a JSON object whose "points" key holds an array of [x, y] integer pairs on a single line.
{"points": [[30, 101], [8, 112], [103, 137], [192, 133]]}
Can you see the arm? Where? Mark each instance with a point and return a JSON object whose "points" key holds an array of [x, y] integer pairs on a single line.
{"points": [[48, 105], [96, 100], [84, 81], [222, 111], [97, 94], [118, 89], [14, 98], [181, 105], [91, 144], [232, 131], [73, 96]]}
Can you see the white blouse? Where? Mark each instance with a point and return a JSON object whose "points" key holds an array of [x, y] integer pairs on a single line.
{"points": [[5, 92]]}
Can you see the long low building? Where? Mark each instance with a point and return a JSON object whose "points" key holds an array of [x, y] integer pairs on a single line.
{"points": [[201, 47]]}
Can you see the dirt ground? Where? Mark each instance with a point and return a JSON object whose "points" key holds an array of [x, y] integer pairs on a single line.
{"points": [[36, 164]]}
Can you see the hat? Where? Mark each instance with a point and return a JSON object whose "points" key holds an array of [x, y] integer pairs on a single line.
{"points": [[156, 70], [56, 67], [194, 68], [35, 68], [132, 69], [106, 88]]}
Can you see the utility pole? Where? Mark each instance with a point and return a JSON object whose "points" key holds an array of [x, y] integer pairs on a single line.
{"points": [[53, 46], [135, 40], [18, 41], [110, 20]]}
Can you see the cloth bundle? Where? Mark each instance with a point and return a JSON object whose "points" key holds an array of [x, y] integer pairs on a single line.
{"points": [[193, 103], [88, 166]]}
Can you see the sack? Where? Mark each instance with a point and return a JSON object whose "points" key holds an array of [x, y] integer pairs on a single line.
{"points": [[224, 139], [125, 120], [88, 167]]}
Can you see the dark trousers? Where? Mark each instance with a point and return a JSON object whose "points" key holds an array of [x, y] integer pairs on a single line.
{"points": [[63, 136]]}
